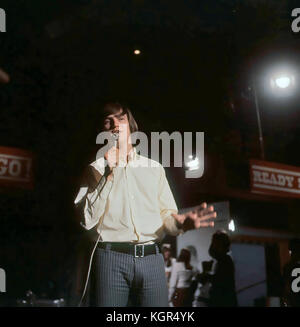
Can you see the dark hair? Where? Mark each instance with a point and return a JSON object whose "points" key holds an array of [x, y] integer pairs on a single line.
{"points": [[165, 249], [114, 107], [168, 261], [222, 237], [185, 256]]}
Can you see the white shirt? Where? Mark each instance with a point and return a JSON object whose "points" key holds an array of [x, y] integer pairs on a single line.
{"points": [[180, 277], [169, 269], [135, 206]]}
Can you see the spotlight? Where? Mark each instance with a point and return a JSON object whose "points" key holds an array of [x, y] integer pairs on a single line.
{"points": [[231, 225], [283, 81], [193, 164]]}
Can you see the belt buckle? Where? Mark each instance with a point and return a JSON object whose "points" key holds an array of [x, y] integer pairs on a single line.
{"points": [[135, 251]]}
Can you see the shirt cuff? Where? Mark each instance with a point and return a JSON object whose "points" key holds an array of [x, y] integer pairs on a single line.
{"points": [[178, 224], [171, 227]]}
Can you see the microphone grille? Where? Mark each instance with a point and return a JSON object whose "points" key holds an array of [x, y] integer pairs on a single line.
{"points": [[115, 136]]}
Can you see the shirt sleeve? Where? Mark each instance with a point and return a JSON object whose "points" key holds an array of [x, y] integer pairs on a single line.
{"points": [[167, 205], [91, 202]]}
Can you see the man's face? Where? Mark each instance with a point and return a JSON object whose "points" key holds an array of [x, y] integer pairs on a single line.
{"points": [[167, 255], [117, 123]]}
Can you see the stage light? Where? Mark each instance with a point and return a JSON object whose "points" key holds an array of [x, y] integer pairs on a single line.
{"points": [[137, 52], [282, 82], [193, 164], [231, 225]]}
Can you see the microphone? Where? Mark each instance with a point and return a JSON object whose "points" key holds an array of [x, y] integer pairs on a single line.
{"points": [[116, 138], [107, 170]]}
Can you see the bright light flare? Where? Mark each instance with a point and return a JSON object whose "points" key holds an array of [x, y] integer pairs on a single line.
{"points": [[231, 225], [193, 164], [137, 52], [283, 82]]}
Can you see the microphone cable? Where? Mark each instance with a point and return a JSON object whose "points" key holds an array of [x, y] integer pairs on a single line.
{"points": [[102, 180]]}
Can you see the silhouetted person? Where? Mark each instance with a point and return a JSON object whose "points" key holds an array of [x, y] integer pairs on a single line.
{"points": [[204, 278], [222, 291], [291, 298]]}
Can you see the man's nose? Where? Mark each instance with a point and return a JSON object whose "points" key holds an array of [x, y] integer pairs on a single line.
{"points": [[115, 123]]}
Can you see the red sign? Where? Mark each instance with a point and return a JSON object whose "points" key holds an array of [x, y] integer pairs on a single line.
{"points": [[274, 179], [16, 168]]}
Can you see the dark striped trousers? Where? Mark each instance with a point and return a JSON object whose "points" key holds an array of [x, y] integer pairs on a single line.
{"points": [[120, 280]]}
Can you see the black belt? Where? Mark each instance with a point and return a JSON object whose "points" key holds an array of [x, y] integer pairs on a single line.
{"points": [[137, 250]]}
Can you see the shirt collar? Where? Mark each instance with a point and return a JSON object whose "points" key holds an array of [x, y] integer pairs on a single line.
{"points": [[132, 154]]}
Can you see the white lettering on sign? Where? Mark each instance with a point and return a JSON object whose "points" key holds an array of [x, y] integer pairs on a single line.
{"points": [[273, 178], [3, 166], [290, 180], [15, 168]]}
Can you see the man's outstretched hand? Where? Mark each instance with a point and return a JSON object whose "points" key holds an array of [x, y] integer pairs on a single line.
{"points": [[196, 218]]}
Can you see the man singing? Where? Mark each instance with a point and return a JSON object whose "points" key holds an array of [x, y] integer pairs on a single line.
{"points": [[130, 204]]}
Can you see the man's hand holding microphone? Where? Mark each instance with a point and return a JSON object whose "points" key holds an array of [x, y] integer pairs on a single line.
{"points": [[112, 155]]}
